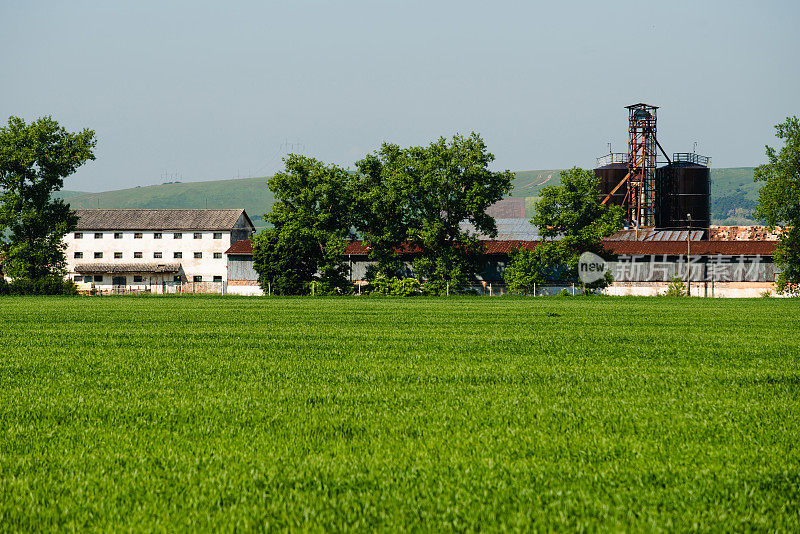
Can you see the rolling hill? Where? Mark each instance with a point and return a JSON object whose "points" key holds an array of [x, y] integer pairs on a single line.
{"points": [[733, 194]]}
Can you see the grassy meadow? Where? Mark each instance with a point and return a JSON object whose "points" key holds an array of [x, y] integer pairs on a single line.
{"points": [[460, 414]]}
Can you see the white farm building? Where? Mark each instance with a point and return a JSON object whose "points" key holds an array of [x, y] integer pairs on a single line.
{"points": [[154, 249]]}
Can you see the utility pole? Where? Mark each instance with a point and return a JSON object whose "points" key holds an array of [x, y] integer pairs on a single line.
{"points": [[689, 256]]}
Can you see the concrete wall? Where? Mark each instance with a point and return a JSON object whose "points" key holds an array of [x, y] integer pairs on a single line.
{"points": [[697, 289]]}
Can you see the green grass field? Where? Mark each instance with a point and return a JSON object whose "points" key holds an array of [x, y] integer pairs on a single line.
{"points": [[192, 413]]}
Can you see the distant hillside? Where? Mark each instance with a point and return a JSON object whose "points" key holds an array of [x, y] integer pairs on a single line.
{"points": [[251, 194], [68, 194], [733, 194]]}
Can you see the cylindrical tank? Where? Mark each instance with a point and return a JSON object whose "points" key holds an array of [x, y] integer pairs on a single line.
{"points": [[683, 189], [610, 176]]}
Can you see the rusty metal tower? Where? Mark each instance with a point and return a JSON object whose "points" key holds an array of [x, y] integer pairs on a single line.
{"points": [[642, 146]]}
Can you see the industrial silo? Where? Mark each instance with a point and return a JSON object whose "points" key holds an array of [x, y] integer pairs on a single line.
{"points": [[611, 170], [683, 193]]}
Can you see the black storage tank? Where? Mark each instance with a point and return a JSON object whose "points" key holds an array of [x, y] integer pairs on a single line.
{"points": [[610, 176], [683, 190]]}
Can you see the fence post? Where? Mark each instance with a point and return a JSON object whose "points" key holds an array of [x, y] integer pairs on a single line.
{"points": [[573, 289], [534, 289], [448, 289], [269, 289], [312, 288], [490, 290]]}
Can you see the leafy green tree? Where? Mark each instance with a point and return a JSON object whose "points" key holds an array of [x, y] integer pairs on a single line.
{"points": [[422, 195], [571, 220], [311, 222], [381, 191], [448, 183], [524, 271], [34, 160], [779, 202]]}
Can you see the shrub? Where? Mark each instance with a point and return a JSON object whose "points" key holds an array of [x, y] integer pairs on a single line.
{"points": [[46, 285], [395, 287], [676, 288]]}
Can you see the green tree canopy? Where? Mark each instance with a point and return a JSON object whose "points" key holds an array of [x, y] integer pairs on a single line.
{"points": [[381, 189], [423, 194], [571, 220], [451, 183], [779, 202], [311, 221], [34, 160]]}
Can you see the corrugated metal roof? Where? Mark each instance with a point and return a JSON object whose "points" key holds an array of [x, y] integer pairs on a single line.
{"points": [[700, 248], [655, 235], [128, 268], [508, 230], [167, 219], [506, 246], [508, 208], [743, 233]]}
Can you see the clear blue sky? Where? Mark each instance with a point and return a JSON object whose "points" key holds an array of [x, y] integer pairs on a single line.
{"points": [[213, 90]]}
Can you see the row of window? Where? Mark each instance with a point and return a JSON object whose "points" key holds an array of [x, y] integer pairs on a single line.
{"points": [[156, 235], [138, 255], [137, 279]]}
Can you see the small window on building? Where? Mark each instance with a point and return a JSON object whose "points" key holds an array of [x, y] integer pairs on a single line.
{"points": [[137, 278], [218, 255], [137, 255], [117, 235], [198, 255], [157, 255], [198, 235], [78, 255], [177, 235], [78, 235], [98, 255], [217, 235], [217, 278], [156, 235], [98, 278], [177, 255], [77, 278], [176, 278], [98, 235], [87, 279], [137, 235], [197, 279], [118, 255]]}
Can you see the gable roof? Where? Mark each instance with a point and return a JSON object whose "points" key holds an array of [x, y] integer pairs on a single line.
{"points": [[165, 219]]}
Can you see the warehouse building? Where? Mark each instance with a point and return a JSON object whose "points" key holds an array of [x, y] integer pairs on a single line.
{"points": [[160, 250], [731, 262]]}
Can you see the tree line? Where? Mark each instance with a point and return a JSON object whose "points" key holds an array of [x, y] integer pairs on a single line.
{"points": [[415, 200], [395, 197]]}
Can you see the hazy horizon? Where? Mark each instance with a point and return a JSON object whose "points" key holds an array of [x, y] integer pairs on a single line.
{"points": [[197, 91]]}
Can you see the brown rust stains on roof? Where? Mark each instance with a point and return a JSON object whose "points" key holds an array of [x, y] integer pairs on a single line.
{"points": [[243, 247]]}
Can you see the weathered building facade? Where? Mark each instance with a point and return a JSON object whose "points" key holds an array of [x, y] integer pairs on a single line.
{"points": [[140, 249]]}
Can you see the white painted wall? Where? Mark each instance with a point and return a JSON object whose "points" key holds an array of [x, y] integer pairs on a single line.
{"points": [[207, 266]]}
